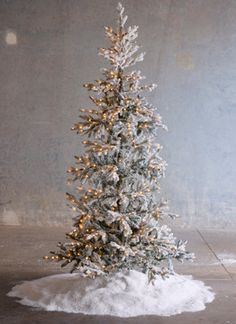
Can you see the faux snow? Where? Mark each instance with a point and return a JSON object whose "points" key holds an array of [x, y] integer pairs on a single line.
{"points": [[227, 259], [120, 294]]}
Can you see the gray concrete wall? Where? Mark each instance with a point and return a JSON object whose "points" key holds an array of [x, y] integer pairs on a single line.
{"points": [[49, 48]]}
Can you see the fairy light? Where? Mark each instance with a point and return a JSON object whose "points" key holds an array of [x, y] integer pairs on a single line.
{"points": [[129, 128], [92, 222]]}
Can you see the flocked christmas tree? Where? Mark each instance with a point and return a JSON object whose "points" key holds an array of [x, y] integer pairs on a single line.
{"points": [[119, 213]]}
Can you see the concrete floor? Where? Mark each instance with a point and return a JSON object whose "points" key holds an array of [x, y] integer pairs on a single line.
{"points": [[21, 249]]}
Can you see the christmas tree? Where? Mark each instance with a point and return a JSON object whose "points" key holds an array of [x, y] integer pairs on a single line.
{"points": [[119, 212]]}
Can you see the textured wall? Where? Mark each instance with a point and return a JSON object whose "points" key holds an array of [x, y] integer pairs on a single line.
{"points": [[48, 49]]}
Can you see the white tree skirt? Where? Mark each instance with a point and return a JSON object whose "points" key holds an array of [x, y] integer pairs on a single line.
{"points": [[120, 294]]}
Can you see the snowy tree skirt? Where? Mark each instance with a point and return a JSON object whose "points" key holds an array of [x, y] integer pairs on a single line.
{"points": [[123, 295]]}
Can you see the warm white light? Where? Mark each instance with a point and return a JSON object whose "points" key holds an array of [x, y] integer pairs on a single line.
{"points": [[11, 38]]}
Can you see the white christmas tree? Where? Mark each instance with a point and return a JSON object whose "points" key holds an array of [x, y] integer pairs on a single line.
{"points": [[119, 212], [118, 236]]}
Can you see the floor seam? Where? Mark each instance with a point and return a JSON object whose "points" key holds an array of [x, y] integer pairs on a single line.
{"points": [[213, 252]]}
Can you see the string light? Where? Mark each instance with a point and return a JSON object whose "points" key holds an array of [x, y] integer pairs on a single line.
{"points": [[121, 211]]}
